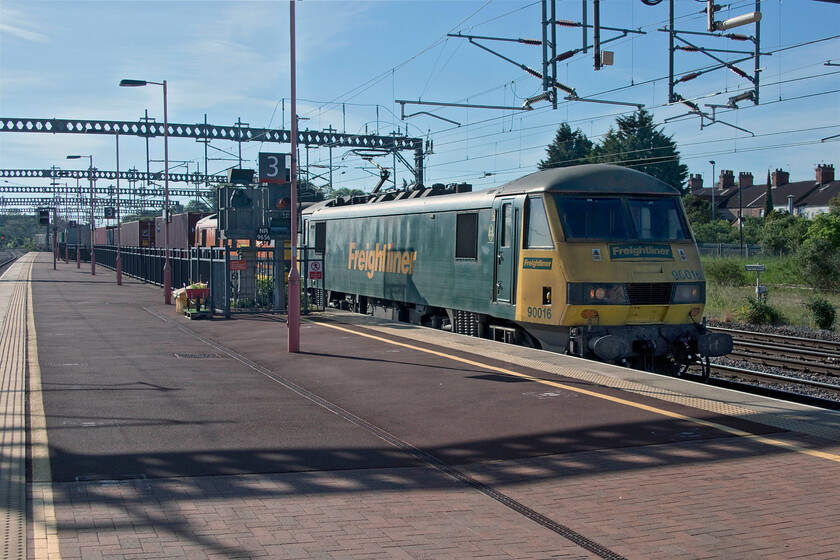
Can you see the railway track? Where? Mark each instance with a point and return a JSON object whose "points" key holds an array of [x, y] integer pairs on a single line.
{"points": [[7, 257], [784, 366], [791, 353]]}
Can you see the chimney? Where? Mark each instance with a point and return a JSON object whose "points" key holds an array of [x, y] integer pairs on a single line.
{"points": [[745, 180], [727, 179], [695, 182], [780, 178], [825, 174]]}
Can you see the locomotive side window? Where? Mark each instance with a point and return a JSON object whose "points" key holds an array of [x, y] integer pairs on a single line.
{"points": [[507, 224], [537, 233], [466, 236], [658, 219], [593, 218], [320, 237]]}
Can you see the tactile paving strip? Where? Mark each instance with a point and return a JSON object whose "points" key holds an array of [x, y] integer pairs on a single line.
{"points": [[13, 437]]}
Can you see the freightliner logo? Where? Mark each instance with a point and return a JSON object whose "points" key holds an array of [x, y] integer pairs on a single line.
{"points": [[640, 251]]}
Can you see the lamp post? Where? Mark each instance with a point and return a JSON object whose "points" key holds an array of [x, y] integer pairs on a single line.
{"points": [[92, 225], [293, 318], [118, 264], [167, 271], [78, 218], [713, 188], [740, 219]]}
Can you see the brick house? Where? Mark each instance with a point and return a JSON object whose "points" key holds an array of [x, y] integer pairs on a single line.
{"points": [[805, 198]]}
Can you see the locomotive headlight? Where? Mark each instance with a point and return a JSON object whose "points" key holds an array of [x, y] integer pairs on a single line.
{"points": [[600, 293], [689, 293]]}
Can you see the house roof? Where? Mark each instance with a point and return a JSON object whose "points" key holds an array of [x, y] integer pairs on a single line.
{"points": [[805, 193], [822, 194]]}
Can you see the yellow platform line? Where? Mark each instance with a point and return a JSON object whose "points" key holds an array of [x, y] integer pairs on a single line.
{"points": [[660, 411], [44, 523]]}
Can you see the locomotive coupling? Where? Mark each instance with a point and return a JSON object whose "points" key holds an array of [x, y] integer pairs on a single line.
{"points": [[714, 344]]}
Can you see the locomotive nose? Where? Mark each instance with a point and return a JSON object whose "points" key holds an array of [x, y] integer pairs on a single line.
{"points": [[714, 344]]}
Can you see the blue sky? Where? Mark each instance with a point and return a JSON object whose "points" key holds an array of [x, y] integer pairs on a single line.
{"points": [[230, 60]]}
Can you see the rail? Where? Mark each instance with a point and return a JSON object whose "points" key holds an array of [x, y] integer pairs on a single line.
{"points": [[783, 366]]}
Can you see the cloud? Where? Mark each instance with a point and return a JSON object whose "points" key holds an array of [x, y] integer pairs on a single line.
{"points": [[16, 23]]}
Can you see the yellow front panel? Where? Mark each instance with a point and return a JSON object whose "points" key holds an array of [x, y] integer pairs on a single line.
{"points": [[540, 281]]}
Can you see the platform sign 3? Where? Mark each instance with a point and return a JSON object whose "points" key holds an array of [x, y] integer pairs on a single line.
{"points": [[273, 168]]}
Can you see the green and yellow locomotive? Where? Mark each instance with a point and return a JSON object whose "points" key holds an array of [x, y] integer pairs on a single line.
{"points": [[595, 260]]}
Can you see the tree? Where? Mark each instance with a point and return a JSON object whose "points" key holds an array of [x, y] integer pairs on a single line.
{"points": [[752, 229], [143, 215], [197, 206], [568, 148], [782, 231], [719, 231], [818, 261], [698, 211], [768, 197], [345, 191], [825, 226], [834, 205], [18, 229], [638, 144]]}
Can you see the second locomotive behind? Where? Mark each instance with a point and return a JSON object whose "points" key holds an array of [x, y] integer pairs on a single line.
{"points": [[594, 260]]}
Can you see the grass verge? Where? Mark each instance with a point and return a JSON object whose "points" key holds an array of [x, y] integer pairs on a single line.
{"points": [[785, 292]]}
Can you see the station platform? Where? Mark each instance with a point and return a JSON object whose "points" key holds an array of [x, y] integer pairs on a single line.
{"points": [[131, 431]]}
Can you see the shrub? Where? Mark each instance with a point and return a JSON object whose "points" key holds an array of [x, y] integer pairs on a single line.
{"points": [[265, 291], [718, 231], [819, 262], [782, 232], [759, 312], [822, 312], [726, 272]]}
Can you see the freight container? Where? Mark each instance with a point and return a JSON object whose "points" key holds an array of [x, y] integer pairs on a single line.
{"points": [[82, 233], [181, 230], [139, 233], [106, 235]]}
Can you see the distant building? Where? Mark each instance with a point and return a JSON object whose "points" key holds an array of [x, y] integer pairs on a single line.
{"points": [[802, 198]]}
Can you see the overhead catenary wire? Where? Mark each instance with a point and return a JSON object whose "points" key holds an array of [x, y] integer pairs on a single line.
{"points": [[448, 137]]}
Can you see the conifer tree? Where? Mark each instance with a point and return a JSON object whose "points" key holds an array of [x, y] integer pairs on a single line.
{"points": [[568, 148], [637, 143], [768, 197]]}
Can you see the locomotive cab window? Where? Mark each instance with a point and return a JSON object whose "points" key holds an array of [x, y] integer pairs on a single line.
{"points": [[537, 233], [466, 236], [593, 218], [657, 219]]}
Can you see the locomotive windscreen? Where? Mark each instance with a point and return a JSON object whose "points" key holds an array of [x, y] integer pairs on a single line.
{"points": [[619, 218], [658, 218]]}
